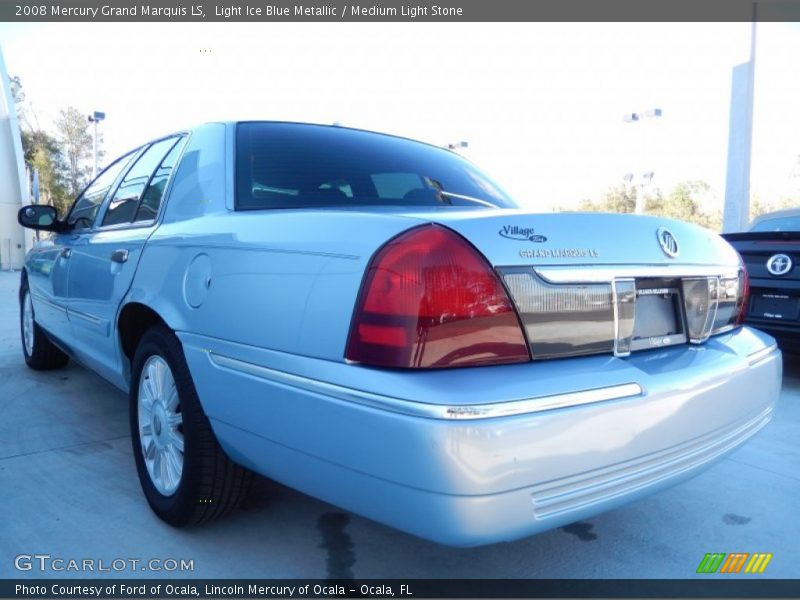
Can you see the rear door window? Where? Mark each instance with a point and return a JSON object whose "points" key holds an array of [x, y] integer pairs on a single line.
{"points": [[85, 208], [151, 199], [124, 204]]}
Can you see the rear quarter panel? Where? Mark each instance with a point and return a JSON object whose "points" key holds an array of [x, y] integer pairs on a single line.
{"points": [[279, 280]]}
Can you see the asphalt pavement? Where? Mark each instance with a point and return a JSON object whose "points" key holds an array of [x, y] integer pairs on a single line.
{"points": [[68, 489]]}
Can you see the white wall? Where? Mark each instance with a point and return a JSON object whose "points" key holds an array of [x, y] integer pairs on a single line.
{"points": [[13, 185]]}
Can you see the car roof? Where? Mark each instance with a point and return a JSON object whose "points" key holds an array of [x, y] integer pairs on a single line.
{"points": [[192, 129], [333, 126], [777, 214]]}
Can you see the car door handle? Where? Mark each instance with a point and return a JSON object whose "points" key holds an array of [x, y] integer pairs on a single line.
{"points": [[119, 256], [66, 252]]}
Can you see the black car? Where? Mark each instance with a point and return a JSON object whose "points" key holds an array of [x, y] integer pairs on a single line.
{"points": [[771, 251]]}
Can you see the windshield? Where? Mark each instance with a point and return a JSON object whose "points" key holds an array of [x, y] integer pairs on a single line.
{"points": [[778, 224], [292, 165]]}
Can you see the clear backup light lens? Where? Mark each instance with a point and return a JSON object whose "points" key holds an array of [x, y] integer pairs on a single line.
{"points": [[700, 298], [430, 299], [714, 304], [732, 298]]}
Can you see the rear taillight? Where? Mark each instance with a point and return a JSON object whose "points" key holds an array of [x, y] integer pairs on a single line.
{"points": [[744, 296], [429, 299], [715, 304]]}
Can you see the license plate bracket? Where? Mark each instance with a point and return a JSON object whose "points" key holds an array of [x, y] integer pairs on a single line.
{"points": [[658, 320]]}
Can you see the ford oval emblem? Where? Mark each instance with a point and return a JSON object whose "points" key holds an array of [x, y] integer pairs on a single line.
{"points": [[667, 242], [779, 264]]}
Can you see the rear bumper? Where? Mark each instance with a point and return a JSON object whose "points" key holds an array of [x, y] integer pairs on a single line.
{"points": [[786, 334], [465, 478]]}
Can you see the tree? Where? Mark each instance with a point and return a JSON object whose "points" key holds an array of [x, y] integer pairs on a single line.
{"points": [[25, 111], [76, 143], [758, 207], [620, 199], [654, 202], [43, 153], [16, 89], [684, 202], [18, 95], [38, 140]]}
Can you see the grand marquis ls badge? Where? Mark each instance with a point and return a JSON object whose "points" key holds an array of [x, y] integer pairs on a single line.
{"points": [[667, 242], [779, 264]]}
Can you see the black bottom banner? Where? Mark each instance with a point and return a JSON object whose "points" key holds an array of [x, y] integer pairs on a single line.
{"points": [[399, 588]]}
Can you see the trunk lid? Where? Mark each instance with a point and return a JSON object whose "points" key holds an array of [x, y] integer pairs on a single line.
{"points": [[592, 283], [514, 237]]}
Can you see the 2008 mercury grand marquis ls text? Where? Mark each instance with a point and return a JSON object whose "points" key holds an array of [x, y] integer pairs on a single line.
{"points": [[372, 321]]}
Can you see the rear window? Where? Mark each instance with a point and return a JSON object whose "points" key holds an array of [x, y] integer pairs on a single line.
{"points": [[778, 224], [291, 165]]}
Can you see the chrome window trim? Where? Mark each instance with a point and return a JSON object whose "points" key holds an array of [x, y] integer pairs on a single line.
{"points": [[432, 411], [123, 226], [162, 208]]}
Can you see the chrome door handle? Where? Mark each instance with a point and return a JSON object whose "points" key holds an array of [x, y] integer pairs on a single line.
{"points": [[119, 256], [66, 252]]}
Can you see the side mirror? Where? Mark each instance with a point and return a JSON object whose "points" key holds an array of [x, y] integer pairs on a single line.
{"points": [[40, 216]]}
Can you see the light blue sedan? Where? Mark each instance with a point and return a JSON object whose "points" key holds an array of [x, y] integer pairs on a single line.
{"points": [[372, 321]]}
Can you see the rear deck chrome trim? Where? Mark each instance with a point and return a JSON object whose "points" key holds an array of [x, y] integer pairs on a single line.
{"points": [[432, 411], [608, 273]]}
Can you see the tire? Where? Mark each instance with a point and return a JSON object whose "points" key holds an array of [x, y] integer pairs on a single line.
{"points": [[39, 352], [199, 483]]}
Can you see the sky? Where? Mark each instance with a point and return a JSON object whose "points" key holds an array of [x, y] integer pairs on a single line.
{"points": [[540, 105]]}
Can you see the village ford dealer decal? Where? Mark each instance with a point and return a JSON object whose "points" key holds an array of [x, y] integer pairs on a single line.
{"points": [[528, 234], [522, 234]]}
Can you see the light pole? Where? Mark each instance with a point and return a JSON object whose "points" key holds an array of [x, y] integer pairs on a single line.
{"points": [[635, 117], [454, 146], [96, 118]]}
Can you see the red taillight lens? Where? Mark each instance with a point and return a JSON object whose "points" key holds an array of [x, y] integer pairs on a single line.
{"points": [[744, 297], [429, 299]]}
